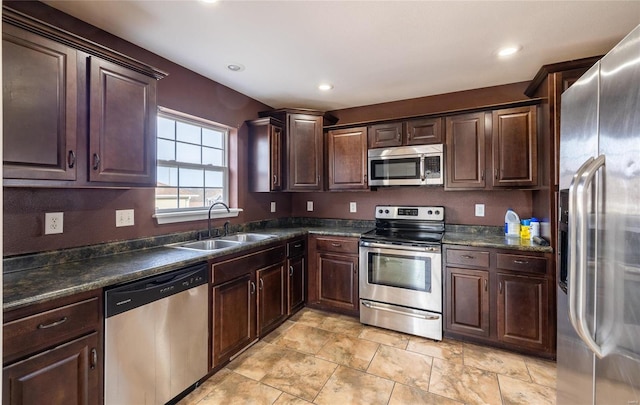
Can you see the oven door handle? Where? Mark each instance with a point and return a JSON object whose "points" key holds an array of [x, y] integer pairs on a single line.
{"points": [[395, 311], [400, 247]]}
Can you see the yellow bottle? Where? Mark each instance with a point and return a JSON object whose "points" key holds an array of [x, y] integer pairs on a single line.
{"points": [[525, 229]]}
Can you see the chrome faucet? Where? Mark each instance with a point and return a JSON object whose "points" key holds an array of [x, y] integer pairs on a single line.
{"points": [[209, 216], [226, 228]]}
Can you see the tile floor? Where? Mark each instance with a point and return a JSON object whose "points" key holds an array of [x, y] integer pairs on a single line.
{"points": [[322, 358]]}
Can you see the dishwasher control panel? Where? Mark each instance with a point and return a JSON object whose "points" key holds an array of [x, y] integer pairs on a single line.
{"points": [[135, 294]]}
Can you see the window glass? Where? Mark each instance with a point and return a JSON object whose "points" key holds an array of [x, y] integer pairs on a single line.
{"points": [[192, 161]]}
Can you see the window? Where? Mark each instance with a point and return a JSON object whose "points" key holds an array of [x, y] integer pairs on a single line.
{"points": [[192, 165]]}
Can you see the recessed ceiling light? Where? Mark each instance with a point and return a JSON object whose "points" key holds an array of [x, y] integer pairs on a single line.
{"points": [[325, 87], [235, 67], [209, 1], [508, 51]]}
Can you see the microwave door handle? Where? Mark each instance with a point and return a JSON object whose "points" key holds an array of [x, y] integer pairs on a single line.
{"points": [[422, 176]]}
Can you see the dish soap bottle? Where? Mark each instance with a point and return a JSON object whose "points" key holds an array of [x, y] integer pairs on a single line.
{"points": [[511, 224]]}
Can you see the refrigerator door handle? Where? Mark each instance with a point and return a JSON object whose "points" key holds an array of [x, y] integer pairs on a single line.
{"points": [[572, 245], [582, 218]]}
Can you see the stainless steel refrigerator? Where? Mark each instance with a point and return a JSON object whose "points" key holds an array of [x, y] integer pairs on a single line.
{"points": [[599, 233]]}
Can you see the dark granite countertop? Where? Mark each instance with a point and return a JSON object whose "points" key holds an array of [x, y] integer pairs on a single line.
{"points": [[39, 284], [47, 278]]}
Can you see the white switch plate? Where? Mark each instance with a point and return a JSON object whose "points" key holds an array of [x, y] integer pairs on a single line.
{"points": [[309, 205], [53, 222], [273, 206], [124, 218], [479, 210], [353, 207]]}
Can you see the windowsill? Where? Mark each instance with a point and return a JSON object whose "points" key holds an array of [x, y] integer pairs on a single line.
{"points": [[196, 215]]}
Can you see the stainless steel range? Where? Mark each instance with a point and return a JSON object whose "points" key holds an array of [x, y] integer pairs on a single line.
{"points": [[401, 270]]}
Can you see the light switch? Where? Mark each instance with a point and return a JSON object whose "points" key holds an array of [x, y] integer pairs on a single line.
{"points": [[309, 205]]}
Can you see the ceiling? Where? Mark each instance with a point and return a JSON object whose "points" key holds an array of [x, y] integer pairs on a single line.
{"points": [[370, 51]]}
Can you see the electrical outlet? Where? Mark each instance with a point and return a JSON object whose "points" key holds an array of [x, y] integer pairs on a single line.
{"points": [[353, 207], [273, 206], [309, 205], [124, 218], [479, 210], [53, 222]]}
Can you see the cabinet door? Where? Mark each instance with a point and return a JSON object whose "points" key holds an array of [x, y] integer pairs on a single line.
{"points": [[296, 283], [305, 152], [523, 317], [275, 162], [347, 150], [384, 135], [122, 133], [233, 317], [467, 301], [66, 375], [338, 281], [465, 140], [515, 147], [272, 293], [424, 131], [39, 100]]}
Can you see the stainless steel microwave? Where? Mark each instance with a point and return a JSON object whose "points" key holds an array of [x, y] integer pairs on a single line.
{"points": [[406, 166]]}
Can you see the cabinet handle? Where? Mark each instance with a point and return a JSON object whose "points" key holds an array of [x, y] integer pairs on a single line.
{"points": [[482, 174], [365, 178], [486, 285], [253, 287], [297, 245], [521, 261], [52, 324], [71, 159], [496, 174], [467, 257], [318, 179], [261, 284], [96, 161], [335, 244], [94, 358], [290, 271], [275, 179], [500, 287]]}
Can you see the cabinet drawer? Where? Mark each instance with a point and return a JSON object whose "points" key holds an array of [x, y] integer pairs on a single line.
{"points": [[236, 267], [46, 329], [296, 248], [468, 257], [522, 263], [341, 245]]}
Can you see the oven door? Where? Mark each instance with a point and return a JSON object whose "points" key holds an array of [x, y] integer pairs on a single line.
{"points": [[401, 275]]}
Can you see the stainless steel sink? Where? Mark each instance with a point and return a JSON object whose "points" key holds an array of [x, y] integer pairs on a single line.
{"points": [[247, 237], [209, 244]]}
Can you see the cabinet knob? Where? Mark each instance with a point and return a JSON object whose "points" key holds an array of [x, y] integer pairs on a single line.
{"points": [[253, 287], [486, 285], [275, 179], [96, 161], [290, 271], [261, 284], [71, 159], [500, 287]]}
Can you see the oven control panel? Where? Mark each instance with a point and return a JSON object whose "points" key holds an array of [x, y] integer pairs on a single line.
{"points": [[410, 212]]}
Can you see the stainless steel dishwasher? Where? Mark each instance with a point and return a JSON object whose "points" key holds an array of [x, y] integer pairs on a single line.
{"points": [[156, 335]]}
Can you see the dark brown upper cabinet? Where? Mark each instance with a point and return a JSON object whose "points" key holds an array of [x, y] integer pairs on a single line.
{"points": [[304, 147], [122, 131], [465, 151], [76, 114], [40, 104], [412, 132], [493, 149], [515, 147], [265, 155], [347, 159]]}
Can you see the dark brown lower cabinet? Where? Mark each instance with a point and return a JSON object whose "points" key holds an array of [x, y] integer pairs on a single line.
{"points": [[296, 283], [333, 274], [500, 297], [233, 315], [69, 374], [522, 310], [467, 296], [272, 297]]}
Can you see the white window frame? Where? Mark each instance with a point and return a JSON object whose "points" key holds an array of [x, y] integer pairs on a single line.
{"points": [[174, 215]]}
